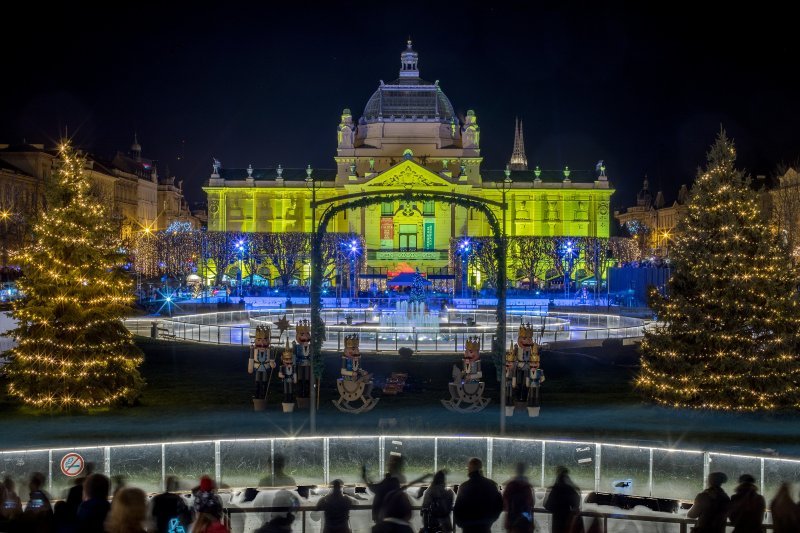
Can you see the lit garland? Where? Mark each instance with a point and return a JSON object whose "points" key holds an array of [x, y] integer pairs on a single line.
{"points": [[73, 351], [730, 337]]}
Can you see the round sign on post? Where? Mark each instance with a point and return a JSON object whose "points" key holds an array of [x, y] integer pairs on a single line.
{"points": [[72, 465]]}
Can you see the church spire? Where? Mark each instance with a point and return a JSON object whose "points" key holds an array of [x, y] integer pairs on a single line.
{"points": [[518, 159], [136, 148]]}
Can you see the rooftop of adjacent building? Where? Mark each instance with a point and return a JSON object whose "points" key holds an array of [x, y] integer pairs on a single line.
{"points": [[132, 163]]}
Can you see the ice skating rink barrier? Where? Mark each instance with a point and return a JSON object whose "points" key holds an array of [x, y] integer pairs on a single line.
{"points": [[237, 327], [651, 471]]}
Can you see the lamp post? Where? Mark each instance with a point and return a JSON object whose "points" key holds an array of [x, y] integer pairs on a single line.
{"points": [[352, 250], [312, 185], [504, 187], [568, 253], [464, 249], [5, 215], [240, 275]]}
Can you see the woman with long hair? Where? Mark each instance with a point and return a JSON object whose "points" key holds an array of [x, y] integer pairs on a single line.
{"points": [[128, 512]]}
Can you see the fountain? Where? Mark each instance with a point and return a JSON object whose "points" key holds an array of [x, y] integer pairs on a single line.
{"points": [[408, 316]]}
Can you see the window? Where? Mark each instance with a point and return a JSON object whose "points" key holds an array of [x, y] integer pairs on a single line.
{"points": [[428, 208], [387, 209], [408, 237]]}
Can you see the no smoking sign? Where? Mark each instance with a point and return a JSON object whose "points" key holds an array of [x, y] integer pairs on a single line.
{"points": [[72, 465]]}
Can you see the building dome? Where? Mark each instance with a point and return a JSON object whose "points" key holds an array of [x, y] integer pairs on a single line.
{"points": [[409, 98]]}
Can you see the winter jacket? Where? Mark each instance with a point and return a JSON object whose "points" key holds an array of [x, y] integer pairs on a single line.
{"points": [[337, 512], [446, 497], [91, 515], [746, 510], [564, 502], [711, 510], [478, 504], [380, 490], [518, 499]]}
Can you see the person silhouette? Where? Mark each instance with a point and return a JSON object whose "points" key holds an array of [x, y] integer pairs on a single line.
{"points": [[279, 478]]}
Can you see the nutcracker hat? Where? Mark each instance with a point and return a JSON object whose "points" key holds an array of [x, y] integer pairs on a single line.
{"points": [[288, 353], [473, 343], [510, 354], [526, 329], [351, 341], [263, 332], [303, 326]]}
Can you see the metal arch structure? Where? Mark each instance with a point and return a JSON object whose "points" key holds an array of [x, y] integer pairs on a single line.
{"points": [[364, 199]]}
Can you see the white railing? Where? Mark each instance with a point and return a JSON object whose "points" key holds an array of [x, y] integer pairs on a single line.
{"points": [[237, 327], [651, 471]]}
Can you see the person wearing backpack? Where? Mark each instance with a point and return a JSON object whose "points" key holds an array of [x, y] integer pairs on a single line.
{"points": [[711, 506], [437, 504], [518, 503]]}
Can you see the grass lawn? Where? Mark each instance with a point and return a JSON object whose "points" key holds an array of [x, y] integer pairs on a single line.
{"points": [[199, 391]]}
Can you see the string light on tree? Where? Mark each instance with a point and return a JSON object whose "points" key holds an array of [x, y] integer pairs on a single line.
{"points": [[730, 333], [73, 351]]}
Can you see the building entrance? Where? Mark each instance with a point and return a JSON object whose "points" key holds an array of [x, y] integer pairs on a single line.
{"points": [[408, 237]]}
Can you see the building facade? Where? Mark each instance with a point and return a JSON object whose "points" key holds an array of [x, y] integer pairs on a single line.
{"points": [[650, 222], [409, 137], [129, 184]]}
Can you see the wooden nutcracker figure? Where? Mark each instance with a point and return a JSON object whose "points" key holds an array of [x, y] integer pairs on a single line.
{"points": [[302, 361], [288, 375], [261, 361], [523, 375], [466, 389], [355, 383]]}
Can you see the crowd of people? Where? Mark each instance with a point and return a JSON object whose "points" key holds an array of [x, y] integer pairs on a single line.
{"points": [[91, 506], [744, 509]]}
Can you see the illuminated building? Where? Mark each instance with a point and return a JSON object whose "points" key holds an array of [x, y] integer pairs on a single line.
{"points": [[410, 137], [652, 223], [137, 196]]}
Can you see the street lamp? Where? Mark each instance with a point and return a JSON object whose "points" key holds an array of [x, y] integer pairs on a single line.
{"points": [[666, 237], [5, 215], [313, 186], [504, 186], [353, 250], [464, 250], [240, 245], [568, 253]]}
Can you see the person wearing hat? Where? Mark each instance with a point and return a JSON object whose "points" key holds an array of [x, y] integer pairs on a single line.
{"points": [[207, 505], [336, 508], [711, 506], [747, 508]]}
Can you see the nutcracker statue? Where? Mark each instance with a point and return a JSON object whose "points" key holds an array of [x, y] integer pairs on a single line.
{"points": [[261, 364], [302, 361], [523, 375], [355, 383], [467, 387], [288, 375]]}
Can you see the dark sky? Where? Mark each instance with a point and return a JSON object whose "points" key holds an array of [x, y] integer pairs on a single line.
{"points": [[644, 90]]}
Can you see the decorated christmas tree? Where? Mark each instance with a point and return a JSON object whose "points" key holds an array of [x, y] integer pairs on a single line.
{"points": [[730, 326], [73, 350], [417, 288]]}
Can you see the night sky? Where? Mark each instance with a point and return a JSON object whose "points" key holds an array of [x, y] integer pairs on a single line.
{"points": [[645, 91]]}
